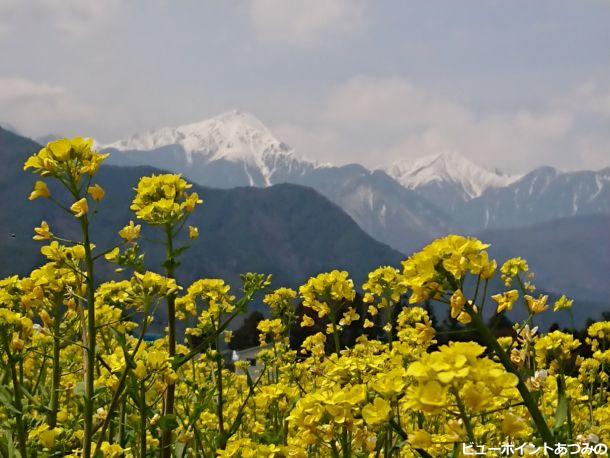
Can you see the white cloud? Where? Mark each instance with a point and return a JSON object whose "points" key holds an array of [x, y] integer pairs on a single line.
{"points": [[317, 143], [40, 108], [590, 98], [304, 22], [71, 18], [16, 88], [377, 121], [390, 102]]}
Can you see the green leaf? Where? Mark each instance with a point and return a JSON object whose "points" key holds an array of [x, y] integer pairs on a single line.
{"points": [[8, 446], [178, 251], [6, 400], [79, 389], [4, 441], [168, 422], [171, 264], [121, 339], [249, 380], [455, 454]]}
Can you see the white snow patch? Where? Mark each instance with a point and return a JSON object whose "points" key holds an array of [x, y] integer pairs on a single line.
{"points": [[234, 136], [448, 167]]}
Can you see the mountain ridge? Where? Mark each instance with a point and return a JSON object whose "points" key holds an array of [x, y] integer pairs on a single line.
{"points": [[287, 230], [200, 151], [235, 137], [541, 195], [404, 205], [448, 167], [293, 232]]}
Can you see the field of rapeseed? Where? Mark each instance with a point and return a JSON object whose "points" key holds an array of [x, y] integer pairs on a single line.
{"points": [[80, 379]]}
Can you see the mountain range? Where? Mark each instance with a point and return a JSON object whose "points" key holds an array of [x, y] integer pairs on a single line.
{"points": [[447, 179], [404, 205], [269, 210], [236, 149], [286, 230]]}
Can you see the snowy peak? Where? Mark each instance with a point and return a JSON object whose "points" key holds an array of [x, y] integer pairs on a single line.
{"points": [[238, 149], [235, 147], [234, 136], [448, 168]]}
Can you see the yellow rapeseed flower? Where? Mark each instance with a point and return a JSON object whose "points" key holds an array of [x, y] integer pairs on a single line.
{"points": [[505, 300], [40, 190], [193, 232], [43, 232], [163, 199], [536, 305], [96, 192], [563, 303], [377, 412], [307, 321], [130, 232], [80, 208]]}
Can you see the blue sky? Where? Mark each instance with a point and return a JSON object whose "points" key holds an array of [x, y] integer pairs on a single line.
{"points": [[512, 84]]}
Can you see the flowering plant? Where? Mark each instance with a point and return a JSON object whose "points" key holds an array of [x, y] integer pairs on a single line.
{"points": [[81, 378]]}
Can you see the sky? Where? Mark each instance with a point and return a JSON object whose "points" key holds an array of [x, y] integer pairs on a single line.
{"points": [[512, 84]]}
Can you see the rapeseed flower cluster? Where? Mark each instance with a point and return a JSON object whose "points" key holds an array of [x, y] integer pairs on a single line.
{"points": [[67, 160], [82, 377], [163, 199]]}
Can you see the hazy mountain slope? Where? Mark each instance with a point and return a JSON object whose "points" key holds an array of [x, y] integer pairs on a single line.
{"points": [[542, 195], [384, 209], [476, 199], [570, 255]]}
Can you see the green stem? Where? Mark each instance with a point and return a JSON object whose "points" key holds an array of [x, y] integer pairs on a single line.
{"points": [[117, 394], [219, 388], [334, 450], [403, 435], [345, 443], [387, 450], [177, 364], [238, 418], [388, 322], [122, 413], [465, 417], [337, 342], [56, 371], [528, 400], [142, 408], [482, 307], [166, 437], [90, 350], [569, 412], [21, 434]]}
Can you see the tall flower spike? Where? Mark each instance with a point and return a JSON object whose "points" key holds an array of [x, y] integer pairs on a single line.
{"points": [[163, 199]]}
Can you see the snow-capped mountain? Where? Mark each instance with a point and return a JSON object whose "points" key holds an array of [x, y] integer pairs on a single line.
{"points": [[447, 179], [404, 205], [236, 149], [232, 149], [448, 167]]}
